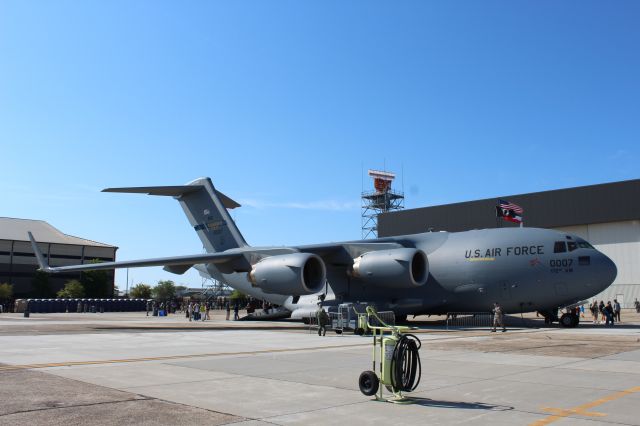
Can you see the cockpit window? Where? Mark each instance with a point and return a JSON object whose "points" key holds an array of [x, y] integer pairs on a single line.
{"points": [[584, 244], [559, 247], [572, 245]]}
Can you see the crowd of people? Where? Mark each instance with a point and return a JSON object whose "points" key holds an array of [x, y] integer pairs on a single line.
{"points": [[197, 310], [606, 314]]}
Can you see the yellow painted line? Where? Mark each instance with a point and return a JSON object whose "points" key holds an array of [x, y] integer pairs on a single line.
{"points": [[482, 259], [560, 413], [169, 357]]}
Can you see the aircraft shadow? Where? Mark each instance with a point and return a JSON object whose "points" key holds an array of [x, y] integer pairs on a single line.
{"points": [[427, 402]]}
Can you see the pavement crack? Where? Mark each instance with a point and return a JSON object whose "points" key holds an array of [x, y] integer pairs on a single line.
{"points": [[143, 398]]}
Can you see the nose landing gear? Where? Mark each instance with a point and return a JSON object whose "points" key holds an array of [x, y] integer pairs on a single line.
{"points": [[569, 320]]}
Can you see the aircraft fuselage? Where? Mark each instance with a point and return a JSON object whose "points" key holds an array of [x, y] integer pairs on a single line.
{"points": [[523, 269]]}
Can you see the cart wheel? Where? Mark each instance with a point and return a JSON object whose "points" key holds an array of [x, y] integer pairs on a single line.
{"points": [[368, 383], [338, 331]]}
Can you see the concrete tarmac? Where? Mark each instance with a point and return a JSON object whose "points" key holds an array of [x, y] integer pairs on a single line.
{"points": [[126, 368]]}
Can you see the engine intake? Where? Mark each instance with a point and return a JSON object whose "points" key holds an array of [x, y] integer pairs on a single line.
{"points": [[396, 268], [294, 274]]}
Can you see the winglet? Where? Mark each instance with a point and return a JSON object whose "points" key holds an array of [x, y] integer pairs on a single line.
{"points": [[42, 263]]}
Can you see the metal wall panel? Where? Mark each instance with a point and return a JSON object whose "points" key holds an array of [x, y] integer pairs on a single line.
{"points": [[610, 202], [20, 272], [99, 252]]}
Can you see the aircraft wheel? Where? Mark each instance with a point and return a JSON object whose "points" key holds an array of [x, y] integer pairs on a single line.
{"points": [[338, 331], [368, 383], [566, 321], [306, 321], [575, 320]]}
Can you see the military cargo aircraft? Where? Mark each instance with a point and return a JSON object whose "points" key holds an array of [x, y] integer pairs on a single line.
{"points": [[523, 269]]}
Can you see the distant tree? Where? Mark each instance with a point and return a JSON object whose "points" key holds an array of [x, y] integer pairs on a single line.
{"points": [[6, 291], [72, 290], [96, 283], [140, 291], [41, 287], [165, 289]]}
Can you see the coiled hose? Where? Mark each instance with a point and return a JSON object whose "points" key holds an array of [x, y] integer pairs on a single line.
{"points": [[406, 368]]}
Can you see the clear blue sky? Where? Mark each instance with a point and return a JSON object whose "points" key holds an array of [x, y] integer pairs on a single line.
{"points": [[283, 103]]}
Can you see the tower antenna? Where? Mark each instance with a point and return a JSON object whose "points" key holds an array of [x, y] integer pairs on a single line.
{"points": [[382, 199]]}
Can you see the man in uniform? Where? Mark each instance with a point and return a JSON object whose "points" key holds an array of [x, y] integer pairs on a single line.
{"points": [[498, 320], [323, 320]]}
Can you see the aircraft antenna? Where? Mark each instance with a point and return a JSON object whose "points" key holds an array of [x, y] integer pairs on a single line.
{"points": [[382, 199]]}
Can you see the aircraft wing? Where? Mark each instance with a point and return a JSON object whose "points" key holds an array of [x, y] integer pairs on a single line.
{"points": [[175, 264], [337, 255], [347, 251]]}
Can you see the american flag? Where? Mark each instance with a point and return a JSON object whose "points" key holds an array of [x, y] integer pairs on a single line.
{"points": [[503, 204], [509, 211]]}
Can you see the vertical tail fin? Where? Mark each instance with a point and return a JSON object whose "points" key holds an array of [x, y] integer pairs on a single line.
{"points": [[206, 209]]}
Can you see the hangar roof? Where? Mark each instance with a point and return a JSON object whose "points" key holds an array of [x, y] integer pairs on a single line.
{"points": [[16, 230], [607, 202]]}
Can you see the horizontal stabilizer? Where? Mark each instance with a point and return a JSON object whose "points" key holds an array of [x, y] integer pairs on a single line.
{"points": [[173, 191]]}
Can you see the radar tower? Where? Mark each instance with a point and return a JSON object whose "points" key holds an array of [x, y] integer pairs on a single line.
{"points": [[382, 199]]}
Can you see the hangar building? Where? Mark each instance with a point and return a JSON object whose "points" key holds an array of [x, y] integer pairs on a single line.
{"points": [[18, 263], [606, 215]]}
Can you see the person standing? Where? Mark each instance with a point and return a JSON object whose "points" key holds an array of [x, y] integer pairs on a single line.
{"points": [[236, 309], [594, 311], [189, 311], [608, 312], [323, 320], [637, 305], [601, 311], [228, 309], [616, 310], [498, 320]]}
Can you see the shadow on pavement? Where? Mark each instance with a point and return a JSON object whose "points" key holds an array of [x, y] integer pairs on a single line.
{"points": [[426, 402]]}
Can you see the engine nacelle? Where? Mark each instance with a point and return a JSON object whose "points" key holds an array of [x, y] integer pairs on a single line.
{"points": [[293, 274], [396, 268]]}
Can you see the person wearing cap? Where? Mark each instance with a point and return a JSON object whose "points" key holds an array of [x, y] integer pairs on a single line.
{"points": [[498, 320]]}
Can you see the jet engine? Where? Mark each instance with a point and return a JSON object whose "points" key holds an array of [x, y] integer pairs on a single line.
{"points": [[396, 268], [296, 274]]}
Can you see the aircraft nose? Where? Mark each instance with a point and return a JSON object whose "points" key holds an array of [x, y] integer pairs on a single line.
{"points": [[607, 270]]}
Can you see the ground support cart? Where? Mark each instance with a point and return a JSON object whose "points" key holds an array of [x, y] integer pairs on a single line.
{"points": [[396, 361]]}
